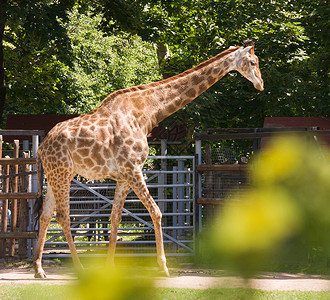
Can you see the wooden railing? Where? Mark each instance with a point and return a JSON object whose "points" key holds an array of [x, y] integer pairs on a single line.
{"points": [[15, 192]]}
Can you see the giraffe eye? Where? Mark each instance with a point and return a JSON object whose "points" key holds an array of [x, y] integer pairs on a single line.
{"points": [[253, 63]]}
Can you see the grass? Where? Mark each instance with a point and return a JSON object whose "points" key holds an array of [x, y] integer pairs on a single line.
{"points": [[40, 292], [231, 294], [32, 291]]}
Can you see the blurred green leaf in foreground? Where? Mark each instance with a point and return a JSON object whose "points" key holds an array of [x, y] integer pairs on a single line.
{"points": [[286, 209], [112, 283]]}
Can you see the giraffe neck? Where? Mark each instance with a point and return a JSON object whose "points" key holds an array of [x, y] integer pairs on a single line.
{"points": [[174, 93], [152, 103]]}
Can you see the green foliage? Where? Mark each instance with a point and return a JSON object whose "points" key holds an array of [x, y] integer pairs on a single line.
{"points": [[108, 282], [67, 62], [33, 44], [70, 66], [294, 84], [291, 39], [102, 63]]}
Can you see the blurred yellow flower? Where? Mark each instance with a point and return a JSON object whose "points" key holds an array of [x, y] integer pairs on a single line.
{"points": [[257, 223], [110, 283], [289, 200], [279, 159]]}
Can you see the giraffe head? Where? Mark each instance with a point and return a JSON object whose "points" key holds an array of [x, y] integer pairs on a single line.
{"points": [[247, 63]]}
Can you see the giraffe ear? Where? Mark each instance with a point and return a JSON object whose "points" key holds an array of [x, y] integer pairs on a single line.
{"points": [[246, 50]]}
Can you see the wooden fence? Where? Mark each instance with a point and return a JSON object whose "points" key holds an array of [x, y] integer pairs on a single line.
{"points": [[17, 186]]}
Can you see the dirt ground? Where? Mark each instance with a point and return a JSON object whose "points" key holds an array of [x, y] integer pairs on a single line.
{"points": [[183, 278]]}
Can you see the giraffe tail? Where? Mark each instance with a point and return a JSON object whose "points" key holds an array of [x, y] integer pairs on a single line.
{"points": [[37, 206]]}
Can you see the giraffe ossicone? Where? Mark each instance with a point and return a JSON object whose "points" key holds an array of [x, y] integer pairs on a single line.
{"points": [[111, 142]]}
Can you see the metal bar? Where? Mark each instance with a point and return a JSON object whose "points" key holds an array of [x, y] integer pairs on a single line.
{"points": [[169, 185], [212, 201], [180, 191], [168, 142], [22, 132], [50, 255], [170, 157], [195, 205], [151, 185], [224, 136], [255, 130], [167, 172], [121, 242], [127, 201], [175, 204], [79, 188], [199, 182], [202, 168], [125, 214], [120, 229]]}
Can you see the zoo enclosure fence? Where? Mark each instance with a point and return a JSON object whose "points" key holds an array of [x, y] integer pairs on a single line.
{"points": [[171, 181], [186, 188], [223, 170]]}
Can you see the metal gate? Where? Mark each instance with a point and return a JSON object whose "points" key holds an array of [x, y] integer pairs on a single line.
{"points": [[170, 180]]}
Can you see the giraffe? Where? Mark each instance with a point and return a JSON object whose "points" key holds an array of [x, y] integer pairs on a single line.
{"points": [[111, 142]]}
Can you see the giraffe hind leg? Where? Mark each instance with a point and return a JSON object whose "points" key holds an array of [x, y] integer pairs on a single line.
{"points": [[121, 192], [62, 198], [44, 220]]}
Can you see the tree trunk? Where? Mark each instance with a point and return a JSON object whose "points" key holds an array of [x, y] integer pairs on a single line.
{"points": [[162, 55], [2, 69]]}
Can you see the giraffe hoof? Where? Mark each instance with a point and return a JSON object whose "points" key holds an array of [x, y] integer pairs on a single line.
{"points": [[40, 275], [165, 272]]}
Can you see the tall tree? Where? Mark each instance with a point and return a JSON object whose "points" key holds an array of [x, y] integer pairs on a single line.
{"points": [[31, 36]]}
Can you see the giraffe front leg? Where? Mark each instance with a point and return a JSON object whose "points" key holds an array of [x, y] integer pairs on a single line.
{"points": [[161, 258], [140, 188], [121, 192], [63, 218], [46, 215]]}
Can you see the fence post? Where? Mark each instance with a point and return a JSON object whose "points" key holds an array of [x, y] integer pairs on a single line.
{"points": [[35, 144], [4, 218], [2, 243], [187, 195], [175, 206], [198, 151], [181, 176], [23, 210], [13, 207], [209, 180], [27, 244], [34, 186], [162, 179]]}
